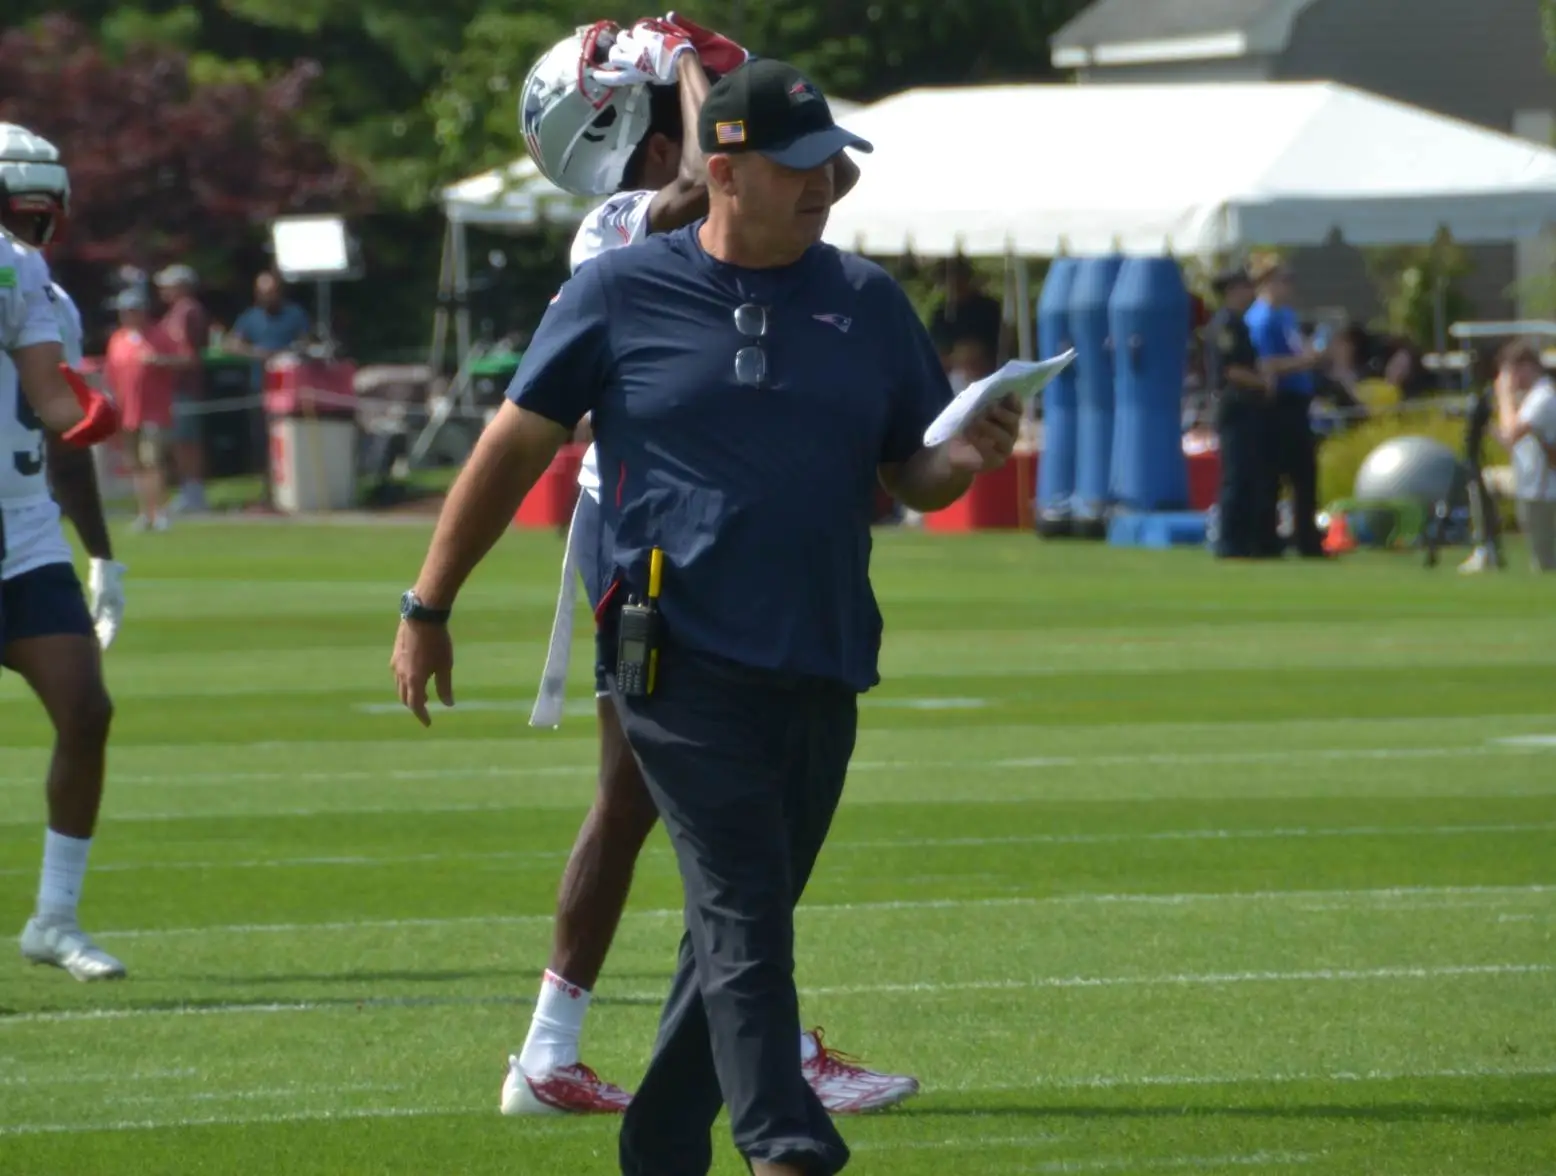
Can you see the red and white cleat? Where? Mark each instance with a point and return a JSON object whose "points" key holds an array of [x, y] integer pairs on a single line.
{"points": [[566, 1090], [845, 1087]]}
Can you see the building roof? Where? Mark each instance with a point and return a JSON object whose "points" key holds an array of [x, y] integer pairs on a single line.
{"points": [[1132, 32]]}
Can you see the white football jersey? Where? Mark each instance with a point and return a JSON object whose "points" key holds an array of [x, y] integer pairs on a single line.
{"points": [[71, 332], [26, 311], [39, 313], [620, 221], [38, 319]]}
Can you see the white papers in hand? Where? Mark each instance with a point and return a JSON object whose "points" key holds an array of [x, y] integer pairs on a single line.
{"points": [[1018, 377]]}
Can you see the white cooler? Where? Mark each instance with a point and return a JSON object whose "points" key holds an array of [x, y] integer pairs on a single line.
{"points": [[313, 463]]}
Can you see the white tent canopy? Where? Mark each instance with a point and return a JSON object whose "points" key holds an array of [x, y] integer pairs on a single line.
{"points": [[1187, 169], [516, 197]]}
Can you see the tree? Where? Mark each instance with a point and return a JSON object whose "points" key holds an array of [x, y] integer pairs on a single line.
{"points": [[474, 107], [867, 49], [162, 166], [1411, 280], [859, 49]]}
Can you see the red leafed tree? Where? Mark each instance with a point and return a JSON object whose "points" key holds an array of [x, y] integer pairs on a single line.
{"points": [[162, 168]]}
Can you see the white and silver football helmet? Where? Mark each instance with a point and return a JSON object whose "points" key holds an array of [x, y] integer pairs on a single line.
{"points": [[33, 182], [581, 133]]}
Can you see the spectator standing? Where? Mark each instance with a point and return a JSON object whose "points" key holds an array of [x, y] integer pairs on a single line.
{"points": [[274, 324], [189, 327], [140, 369], [967, 326], [1243, 417], [1526, 425], [1286, 359]]}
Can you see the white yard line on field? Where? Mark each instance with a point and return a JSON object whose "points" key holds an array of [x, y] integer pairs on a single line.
{"points": [[262, 1095], [1032, 984], [1351, 899], [180, 1122], [972, 1143], [586, 709], [843, 845], [1187, 979], [1174, 1163], [1129, 1082], [76, 1078], [1500, 748], [1040, 1082]]}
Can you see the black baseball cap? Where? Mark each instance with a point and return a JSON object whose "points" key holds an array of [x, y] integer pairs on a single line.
{"points": [[773, 108]]}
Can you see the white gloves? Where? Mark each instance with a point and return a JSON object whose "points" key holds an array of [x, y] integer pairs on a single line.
{"points": [[647, 52], [106, 584]]}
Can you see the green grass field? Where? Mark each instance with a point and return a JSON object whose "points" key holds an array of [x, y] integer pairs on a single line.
{"points": [[1145, 865]]}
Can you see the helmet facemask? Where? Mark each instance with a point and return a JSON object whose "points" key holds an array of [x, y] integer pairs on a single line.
{"points": [[34, 186]]}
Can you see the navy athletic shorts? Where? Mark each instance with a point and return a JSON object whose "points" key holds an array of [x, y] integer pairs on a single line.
{"points": [[45, 602], [591, 540]]}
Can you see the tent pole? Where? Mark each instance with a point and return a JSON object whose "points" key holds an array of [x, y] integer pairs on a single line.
{"points": [[1025, 347], [445, 291], [1440, 314], [461, 296]]}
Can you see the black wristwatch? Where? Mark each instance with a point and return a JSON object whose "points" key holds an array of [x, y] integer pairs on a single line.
{"points": [[412, 609]]}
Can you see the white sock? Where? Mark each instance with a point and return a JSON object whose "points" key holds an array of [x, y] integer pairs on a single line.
{"points": [[808, 1047], [556, 1026], [64, 871]]}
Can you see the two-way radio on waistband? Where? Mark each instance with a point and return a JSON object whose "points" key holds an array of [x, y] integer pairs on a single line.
{"points": [[638, 634]]}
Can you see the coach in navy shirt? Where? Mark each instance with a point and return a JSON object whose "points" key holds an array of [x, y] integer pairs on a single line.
{"points": [[748, 386]]}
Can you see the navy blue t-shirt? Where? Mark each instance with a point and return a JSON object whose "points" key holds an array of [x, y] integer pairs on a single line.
{"points": [[760, 498]]}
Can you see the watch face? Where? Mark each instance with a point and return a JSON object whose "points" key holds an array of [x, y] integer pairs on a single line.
{"points": [[407, 604]]}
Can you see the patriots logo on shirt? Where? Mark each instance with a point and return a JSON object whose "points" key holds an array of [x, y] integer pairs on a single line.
{"points": [[617, 214], [841, 321]]}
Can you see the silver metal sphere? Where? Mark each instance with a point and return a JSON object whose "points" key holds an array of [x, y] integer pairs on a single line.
{"points": [[1416, 468]]}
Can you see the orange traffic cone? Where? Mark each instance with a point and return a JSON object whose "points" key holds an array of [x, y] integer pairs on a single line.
{"points": [[1339, 540]]}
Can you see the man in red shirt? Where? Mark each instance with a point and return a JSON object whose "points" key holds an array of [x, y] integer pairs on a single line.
{"points": [[141, 368], [188, 325]]}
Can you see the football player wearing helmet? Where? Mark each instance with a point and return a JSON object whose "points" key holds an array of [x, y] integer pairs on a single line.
{"points": [[613, 112], [48, 634]]}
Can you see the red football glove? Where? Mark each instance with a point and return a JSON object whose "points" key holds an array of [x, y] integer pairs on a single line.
{"points": [[102, 415], [716, 51]]}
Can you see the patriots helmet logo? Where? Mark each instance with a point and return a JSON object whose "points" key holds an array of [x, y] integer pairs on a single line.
{"points": [[802, 91], [841, 321], [530, 111]]}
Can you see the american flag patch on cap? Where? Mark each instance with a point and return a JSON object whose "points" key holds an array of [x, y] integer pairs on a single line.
{"points": [[730, 132]]}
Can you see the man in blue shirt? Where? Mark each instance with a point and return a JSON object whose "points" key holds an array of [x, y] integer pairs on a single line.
{"points": [[748, 386], [1286, 359], [272, 325]]}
